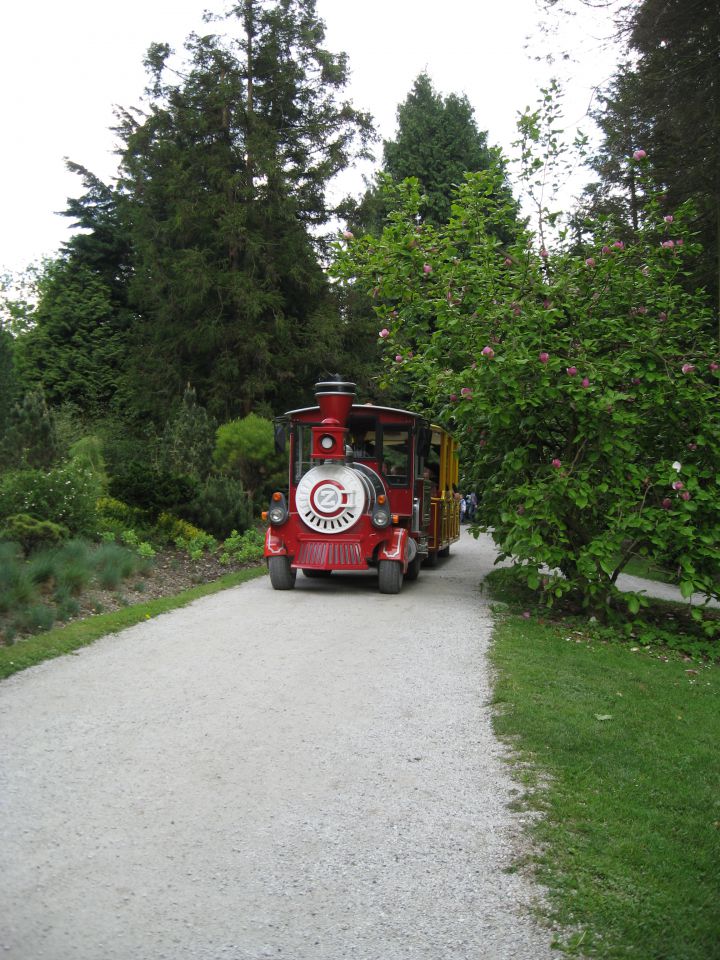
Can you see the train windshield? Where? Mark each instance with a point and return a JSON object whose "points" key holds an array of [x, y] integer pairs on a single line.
{"points": [[396, 456]]}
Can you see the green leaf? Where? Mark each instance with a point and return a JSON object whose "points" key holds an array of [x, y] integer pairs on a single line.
{"points": [[687, 588]]}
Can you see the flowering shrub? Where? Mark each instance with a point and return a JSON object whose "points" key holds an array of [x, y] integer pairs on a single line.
{"points": [[598, 393], [65, 495]]}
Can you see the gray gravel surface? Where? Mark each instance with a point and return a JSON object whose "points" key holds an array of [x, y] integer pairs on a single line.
{"points": [[309, 774]]}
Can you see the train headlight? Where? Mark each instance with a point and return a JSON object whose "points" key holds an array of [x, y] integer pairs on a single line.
{"points": [[381, 518], [278, 511], [327, 442]]}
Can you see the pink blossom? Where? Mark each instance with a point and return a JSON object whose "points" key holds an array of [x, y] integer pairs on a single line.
{"points": [[606, 249], [482, 443], [619, 245], [526, 614], [585, 383], [427, 268], [589, 262], [714, 366], [384, 333], [543, 357], [641, 310], [668, 244], [453, 397], [348, 235], [488, 352], [547, 303], [662, 316], [639, 154], [508, 261], [680, 242], [687, 368], [556, 463], [669, 218], [516, 309], [636, 381], [572, 371], [666, 504], [544, 253], [685, 495], [398, 358], [467, 393], [692, 446], [677, 485]]}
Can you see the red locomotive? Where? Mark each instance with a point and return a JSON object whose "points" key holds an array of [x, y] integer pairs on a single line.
{"points": [[369, 486]]}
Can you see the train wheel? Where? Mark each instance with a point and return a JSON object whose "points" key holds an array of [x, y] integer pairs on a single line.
{"points": [[413, 569], [390, 576], [282, 575], [316, 573]]}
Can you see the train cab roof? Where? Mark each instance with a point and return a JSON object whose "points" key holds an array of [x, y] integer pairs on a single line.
{"points": [[388, 414]]}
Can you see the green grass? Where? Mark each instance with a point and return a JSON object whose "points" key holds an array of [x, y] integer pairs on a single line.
{"points": [[622, 756], [54, 643]]}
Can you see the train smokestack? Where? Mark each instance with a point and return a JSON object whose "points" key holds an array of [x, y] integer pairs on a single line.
{"points": [[335, 398]]}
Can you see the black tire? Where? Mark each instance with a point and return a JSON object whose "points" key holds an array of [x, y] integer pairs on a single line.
{"points": [[316, 573], [282, 575], [445, 552], [432, 559], [413, 569], [390, 576]]}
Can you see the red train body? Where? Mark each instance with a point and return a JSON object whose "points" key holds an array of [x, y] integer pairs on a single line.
{"points": [[368, 487]]}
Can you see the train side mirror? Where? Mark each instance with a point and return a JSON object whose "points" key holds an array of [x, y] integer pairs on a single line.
{"points": [[280, 438]]}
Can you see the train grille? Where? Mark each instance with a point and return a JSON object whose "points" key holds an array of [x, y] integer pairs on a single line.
{"points": [[320, 554]]}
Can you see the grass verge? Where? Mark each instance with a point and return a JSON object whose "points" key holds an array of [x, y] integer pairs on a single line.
{"points": [[620, 752], [54, 643]]}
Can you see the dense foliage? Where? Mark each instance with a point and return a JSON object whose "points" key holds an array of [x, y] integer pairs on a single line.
{"points": [[580, 383]]}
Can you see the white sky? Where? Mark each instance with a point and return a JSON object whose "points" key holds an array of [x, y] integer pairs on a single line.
{"points": [[63, 65]]}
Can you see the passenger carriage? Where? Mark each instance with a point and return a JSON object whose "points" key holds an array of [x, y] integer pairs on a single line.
{"points": [[369, 487]]}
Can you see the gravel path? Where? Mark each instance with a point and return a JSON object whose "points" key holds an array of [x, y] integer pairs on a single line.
{"points": [[309, 775]]}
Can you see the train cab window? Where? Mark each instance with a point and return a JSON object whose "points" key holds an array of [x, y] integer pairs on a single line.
{"points": [[362, 438], [396, 456], [432, 461], [302, 448]]}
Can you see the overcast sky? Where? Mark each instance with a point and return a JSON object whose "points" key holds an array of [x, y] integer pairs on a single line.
{"points": [[64, 65]]}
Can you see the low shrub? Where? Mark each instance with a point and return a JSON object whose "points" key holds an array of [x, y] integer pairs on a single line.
{"points": [[221, 505], [141, 485], [243, 548], [30, 532]]}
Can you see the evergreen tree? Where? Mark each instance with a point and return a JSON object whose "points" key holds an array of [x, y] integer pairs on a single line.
{"points": [[8, 381], [188, 442], [30, 439], [668, 104], [225, 178], [437, 142], [77, 346]]}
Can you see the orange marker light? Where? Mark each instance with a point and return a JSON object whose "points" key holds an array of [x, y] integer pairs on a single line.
{"points": [[264, 514], [381, 498], [277, 496]]}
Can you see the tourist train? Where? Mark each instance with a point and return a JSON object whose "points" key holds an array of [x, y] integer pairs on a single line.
{"points": [[369, 487]]}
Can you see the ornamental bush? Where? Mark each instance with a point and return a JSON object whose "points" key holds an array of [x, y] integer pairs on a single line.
{"points": [[65, 495], [582, 381]]}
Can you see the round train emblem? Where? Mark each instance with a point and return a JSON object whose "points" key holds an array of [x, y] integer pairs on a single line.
{"points": [[330, 498]]}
